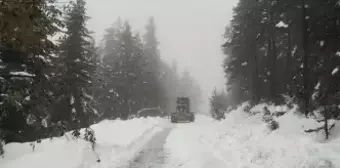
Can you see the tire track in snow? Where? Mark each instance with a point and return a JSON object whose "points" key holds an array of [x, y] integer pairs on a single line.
{"points": [[189, 149], [153, 155]]}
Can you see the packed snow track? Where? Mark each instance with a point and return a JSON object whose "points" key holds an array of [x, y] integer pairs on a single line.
{"points": [[178, 145], [153, 155]]}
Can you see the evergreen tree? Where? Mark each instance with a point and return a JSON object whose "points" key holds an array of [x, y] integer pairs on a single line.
{"points": [[107, 94], [153, 70], [218, 104], [287, 47], [188, 87], [26, 54], [77, 65], [128, 70]]}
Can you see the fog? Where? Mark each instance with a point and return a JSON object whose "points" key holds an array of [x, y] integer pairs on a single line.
{"points": [[189, 31]]}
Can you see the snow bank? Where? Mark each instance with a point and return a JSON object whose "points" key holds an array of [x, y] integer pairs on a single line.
{"points": [[114, 138], [244, 140], [288, 146]]}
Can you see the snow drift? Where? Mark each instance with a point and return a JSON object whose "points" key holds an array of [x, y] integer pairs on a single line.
{"points": [[243, 139], [116, 140]]}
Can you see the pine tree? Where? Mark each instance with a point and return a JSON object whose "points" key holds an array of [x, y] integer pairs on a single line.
{"points": [[295, 49], [107, 93], [153, 70], [26, 51], [128, 70], [189, 87], [76, 61], [218, 104]]}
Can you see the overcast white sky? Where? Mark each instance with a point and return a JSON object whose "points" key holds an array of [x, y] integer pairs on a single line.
{"points": [[189, 31]]}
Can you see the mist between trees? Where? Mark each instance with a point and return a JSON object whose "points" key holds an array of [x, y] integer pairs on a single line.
{"points": [[49, 87]]}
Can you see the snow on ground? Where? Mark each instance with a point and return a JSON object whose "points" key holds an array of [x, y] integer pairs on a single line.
{"points": [[243, 140], [185, 148], [117, 141]]}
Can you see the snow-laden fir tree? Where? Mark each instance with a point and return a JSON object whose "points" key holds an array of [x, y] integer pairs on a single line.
{"points": [[107, 93], [128, 71], [277, 48], [77, 65], [153, 73], [26, 90]]}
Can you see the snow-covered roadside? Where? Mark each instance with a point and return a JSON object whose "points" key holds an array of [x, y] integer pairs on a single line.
{"points": [[116, 141], [245, 141]]}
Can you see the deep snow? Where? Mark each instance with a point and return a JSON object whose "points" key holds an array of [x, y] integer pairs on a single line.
{"points": [[242, 140], [117, 142]]}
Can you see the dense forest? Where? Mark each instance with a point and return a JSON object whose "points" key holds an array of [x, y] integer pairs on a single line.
{"points": [[278, 49], [49, 87]]}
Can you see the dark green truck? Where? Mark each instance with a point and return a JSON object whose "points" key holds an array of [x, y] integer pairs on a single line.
{"points": [[182, 112]]}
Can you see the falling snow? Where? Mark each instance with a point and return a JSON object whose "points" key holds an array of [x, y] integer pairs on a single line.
{"points": [[335, 70], [22, 73], [322, 43], [317, 86], [281, 24], [337, 53], [72, 100]]}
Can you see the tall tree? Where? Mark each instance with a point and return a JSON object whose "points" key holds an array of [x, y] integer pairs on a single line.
{"points": [[26, 51], [296, 56], [128, 73], [76, 61], [153, 69], [189, 87], [107, 94]]}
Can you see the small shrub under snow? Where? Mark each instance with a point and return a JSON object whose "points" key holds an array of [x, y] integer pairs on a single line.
{"points": [[273, 125]]}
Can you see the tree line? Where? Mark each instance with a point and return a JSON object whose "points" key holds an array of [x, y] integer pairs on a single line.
{"points": [[285, 48], [49, 87]]}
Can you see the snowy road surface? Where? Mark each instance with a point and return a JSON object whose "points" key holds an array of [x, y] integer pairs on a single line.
{"points": [[178, 145], [187, 149], [153, 155]]}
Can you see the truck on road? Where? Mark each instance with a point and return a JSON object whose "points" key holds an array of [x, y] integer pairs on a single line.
{"points": [[182, 112]]}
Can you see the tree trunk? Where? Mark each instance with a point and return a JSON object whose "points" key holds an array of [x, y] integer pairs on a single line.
{"points": [[305, 58], [288, 63], [271, 29], [255, 80], [269, 51], [326, 112], [273, 68]]}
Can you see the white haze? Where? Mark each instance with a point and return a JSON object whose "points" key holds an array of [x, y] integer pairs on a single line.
{"points": [[190, 31]]}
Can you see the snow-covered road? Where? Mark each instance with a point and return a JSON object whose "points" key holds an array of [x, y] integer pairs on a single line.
{"points": [[153, 155], [186, 147], [178, 145]]}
